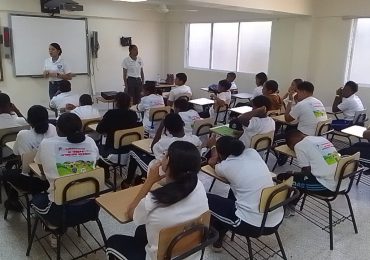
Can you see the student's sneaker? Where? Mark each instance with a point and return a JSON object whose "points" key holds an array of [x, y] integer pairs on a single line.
{"points": [[217, 246], [13, 205], [53, 241], [289, 211]]}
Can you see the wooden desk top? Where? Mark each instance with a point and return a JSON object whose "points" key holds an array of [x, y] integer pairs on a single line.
{"points": [[225, 130], [242, 96], [284, 149], [10, 145], [241, 110], [34, 167], [134, 108], [281, 119], [117, 203], [93, 127], [101, 99], [355, 130], [144, 145], [205, 89], [202, 101]]}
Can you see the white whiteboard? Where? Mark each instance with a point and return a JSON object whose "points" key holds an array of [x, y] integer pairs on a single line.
{"points": [[31, 36]]}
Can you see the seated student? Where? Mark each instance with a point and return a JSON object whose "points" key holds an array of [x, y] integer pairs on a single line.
{"points": [[318, 159], [180, 90], [222, 99], [270, 90], [187, 114], [248, 175], [28, 141], [150, 100], [86, 109], [292, 92], [230, 77], [181, 199], [64, 96], [55, 155], [116, 119], [261, 78], [348, 102], [308, 112], [256, 121], [175, 128]]}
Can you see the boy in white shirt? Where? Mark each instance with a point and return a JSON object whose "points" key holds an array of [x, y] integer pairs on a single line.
{"points": [[222, 99], [187, 114], [230, 77], [261, 78], [256, 121], [10, 116], [150, 100], [180, 90], [64, 96], [348, 102], [86, 109]]}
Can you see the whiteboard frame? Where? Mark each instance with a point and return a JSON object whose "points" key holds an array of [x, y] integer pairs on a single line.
{"points": [[50, 17]]}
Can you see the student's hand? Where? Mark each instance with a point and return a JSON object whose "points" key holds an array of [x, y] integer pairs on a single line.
{"points": [[211, 141], [14, 109], [46, 74], [153, 174], [53, 74], [70, 107], [339, 91], [212, 96]]}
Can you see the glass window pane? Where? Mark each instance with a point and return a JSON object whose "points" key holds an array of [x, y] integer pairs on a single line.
{"points": [[225, 46], [199, 45], [254, 46], [361, 53]]}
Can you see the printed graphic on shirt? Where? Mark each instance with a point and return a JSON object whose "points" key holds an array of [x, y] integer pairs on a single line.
{"points": [[318, 110], [72, 160], [329, 153]]}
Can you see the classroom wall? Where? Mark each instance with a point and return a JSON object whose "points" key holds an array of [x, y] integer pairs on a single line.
{"points": [[112, 20]]}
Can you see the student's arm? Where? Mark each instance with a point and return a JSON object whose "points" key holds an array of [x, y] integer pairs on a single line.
{"points": [[366, 134], [214, 159], [170, 103], [103, 126], [142, 76], [67, 76], [53, 103], [125, 76], [338, 99], [158, 134], [246, 117], [16, 110], [287, 116]]}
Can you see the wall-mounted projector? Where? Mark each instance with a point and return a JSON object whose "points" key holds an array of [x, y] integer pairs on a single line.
{"points": [[54, 6]]}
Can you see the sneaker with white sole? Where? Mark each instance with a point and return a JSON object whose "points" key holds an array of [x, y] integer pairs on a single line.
{"points": [[53, 241]]}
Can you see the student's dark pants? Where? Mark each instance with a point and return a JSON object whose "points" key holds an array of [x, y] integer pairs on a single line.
{"points": [[53, 88], [127, 247], [137, 159], [305, 183], [73, 214], [29, 184], [223, 218], [133, 89]]}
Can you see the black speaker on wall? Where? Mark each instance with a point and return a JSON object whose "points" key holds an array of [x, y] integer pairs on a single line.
{"points": [[49, 10], [125, 41]]}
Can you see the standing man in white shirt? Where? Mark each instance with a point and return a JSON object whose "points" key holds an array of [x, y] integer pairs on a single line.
{"points": [[133, 74], [55, 69]]}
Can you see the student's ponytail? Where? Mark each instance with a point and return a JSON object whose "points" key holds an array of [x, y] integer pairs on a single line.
{"points": [[70, 125], [38, 118], [227, 146], [77, 137]]}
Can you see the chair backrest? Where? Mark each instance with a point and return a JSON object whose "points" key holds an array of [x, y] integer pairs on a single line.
{"points": [[202, 126], [275, 112], [158, 113], [323, 127], [181, 238], [347, 165], [28, 158], [262, 141], [10, 134], [221, 109], [360, 117], [72, 187], [127, 136], [87, 122]]}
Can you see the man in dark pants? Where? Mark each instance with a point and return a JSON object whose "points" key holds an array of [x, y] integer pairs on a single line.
{"points": [[133, 74]]}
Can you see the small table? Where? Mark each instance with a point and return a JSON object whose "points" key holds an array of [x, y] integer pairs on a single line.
{"points": [[225, 130], [329, 111], [134, 108], [165, 87], [103, 100], [284, 149], [242, 96], [355, 130], [202, 101], [93, 127], [144, 145], [34, 167], [205, 89], [241, 110], [10, 145], [281, 119]]}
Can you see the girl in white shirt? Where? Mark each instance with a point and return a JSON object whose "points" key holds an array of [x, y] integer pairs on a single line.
{"points": [[187, 114], [71, 152], [248, 175], [28, 141], [181, 199], [261, 78]]}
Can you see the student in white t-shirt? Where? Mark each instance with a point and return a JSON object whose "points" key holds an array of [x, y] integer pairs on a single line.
{"points": [[86, 109], [308, 112], [187, 114], [256, 121], [174, 127], [230, 77], [248, 175], [64, 97], [26, 142], [222, 99], [181, 199], [292, 92], [349, 103], [149, 100], [71, 152], [261, 78], [180, 90]]}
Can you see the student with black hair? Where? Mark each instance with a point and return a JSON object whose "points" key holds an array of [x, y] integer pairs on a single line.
{"points": [[133, 74], [85, 110], [187, 113], [71, 152], [292, 92], [261, 78], [248, 175], [56, 69], [230, 77], [180, 90], [150, 99], [271, 91], [64, 96], [28, 141], [10, 116], [180, 199], [222, 98], [174, 126]]}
